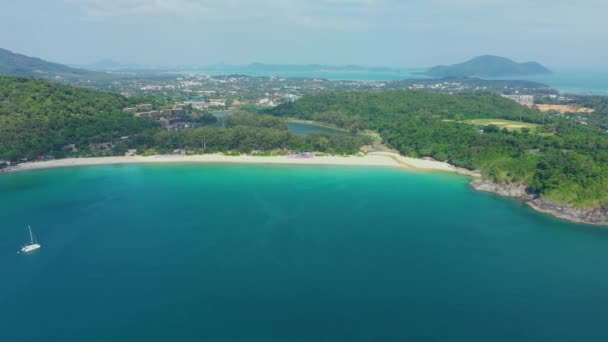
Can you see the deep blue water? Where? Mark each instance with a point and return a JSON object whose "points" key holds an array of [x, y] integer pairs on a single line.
{"points": [[234, 253]]}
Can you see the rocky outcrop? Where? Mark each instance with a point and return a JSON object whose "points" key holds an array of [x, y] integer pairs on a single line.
{"points": [[517, 190], [597, 216]]}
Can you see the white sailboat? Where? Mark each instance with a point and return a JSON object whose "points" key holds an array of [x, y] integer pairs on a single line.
{"points": [[33, 244]]}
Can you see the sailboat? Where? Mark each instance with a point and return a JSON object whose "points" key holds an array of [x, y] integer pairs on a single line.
{"points": [[33, 244]]}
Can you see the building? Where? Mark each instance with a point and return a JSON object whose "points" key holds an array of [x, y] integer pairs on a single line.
{"points": [[521, 99], [69, 148], [290, 98], [103, 145], [169, 122], [217, 103], [130, 110], [198, 104], [144, 106], [149, 114]]}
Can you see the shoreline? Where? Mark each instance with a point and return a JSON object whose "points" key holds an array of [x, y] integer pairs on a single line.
{"points": [[373, 159], [596, 217]]}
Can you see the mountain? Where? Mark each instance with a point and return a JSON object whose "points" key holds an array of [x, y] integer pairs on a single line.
{"points": [[14, 64], [488, 66]]}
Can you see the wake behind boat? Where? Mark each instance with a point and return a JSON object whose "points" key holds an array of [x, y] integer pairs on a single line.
{"points": [[33, 245]]}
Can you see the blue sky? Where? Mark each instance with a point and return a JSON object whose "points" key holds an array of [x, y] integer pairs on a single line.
{"points": [[407, 33]]}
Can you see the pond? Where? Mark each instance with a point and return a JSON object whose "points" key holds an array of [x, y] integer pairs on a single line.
{"points": [[296, 128], [302, 128]]}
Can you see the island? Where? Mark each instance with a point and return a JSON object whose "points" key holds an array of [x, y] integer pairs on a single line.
{"points": [[488, 66]]}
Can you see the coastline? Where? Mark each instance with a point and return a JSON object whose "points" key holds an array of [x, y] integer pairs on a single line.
{"points": [[373, 159], [595, 217]]}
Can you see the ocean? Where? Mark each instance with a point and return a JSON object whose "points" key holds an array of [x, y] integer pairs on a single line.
{"points": [[329, 74], [567, 80], [260, 253], [573, 81]]}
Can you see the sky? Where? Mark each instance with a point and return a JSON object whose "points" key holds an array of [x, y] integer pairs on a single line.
{"points": [[397, 33]]}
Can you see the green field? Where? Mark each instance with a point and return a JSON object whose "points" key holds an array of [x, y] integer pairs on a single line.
{"points": [[508, 124]]}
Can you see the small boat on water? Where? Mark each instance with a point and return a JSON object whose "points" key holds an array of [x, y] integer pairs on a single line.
{"points": [[33, 244]]}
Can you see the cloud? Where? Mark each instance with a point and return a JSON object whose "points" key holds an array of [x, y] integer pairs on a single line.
{"points": [[321, 14]]}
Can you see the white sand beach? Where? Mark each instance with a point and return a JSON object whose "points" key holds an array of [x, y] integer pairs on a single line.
{"points": [[374, 159]]}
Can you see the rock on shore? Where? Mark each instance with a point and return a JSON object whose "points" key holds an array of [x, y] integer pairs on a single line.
{"points": [[597, 216], [517, 190]]}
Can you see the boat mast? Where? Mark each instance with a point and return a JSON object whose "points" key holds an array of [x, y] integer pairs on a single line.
{"points": [[31, 235]]}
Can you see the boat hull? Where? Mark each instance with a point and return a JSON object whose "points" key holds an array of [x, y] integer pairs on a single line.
{"points": [[30, 248]]}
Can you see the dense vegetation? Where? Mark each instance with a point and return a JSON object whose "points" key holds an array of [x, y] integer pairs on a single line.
{"points": [[355, 110], [38, 117], [247, 133], [562, 161]]}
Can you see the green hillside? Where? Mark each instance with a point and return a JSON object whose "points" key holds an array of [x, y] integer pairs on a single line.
{"points": [[352, 109], [38, 117]]}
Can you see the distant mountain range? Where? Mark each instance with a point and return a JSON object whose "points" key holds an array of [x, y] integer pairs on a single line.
{"points": [[488, 66], [14, 64]]}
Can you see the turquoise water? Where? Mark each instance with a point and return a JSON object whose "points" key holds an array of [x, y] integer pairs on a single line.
{"points": [[232, 253], [300, 128]]}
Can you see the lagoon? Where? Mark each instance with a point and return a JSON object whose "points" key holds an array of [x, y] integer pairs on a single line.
{"points": [[303, 128], [273, 253]]}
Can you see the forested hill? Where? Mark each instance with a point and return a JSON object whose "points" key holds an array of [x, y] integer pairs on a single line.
{"points": [[37, 117], [355, 108], [13, 64], [556, 158]]}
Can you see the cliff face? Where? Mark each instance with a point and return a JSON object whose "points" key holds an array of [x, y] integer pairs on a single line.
{"points": [[517, 190], [598, 216]]}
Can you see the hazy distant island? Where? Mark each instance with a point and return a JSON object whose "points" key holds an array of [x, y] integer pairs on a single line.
{"points": [[488, 66]]}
